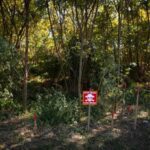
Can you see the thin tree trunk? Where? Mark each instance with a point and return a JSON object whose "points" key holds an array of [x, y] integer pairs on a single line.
{"points": [[25, 92], [148, 36], [80, 67], [57, 45], [119, 46], [113, 43], [80, 25], [128, 35], [119, 36], [5, 27], [84, 16], [93, 20], [51, 26], [137, 46]]}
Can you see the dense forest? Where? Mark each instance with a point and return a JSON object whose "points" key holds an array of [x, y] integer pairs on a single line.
{"points": [[53, 50]]}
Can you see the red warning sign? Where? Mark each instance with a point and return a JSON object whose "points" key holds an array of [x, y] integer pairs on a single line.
{"points": [[89, 98]]}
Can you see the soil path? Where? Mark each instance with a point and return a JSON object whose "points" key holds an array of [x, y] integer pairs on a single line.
{"points": [[18, 134]]}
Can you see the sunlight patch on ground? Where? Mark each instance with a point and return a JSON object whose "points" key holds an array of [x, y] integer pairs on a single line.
{"points": [[2, 146], [143, 114], [76, 138], [116, 132]]}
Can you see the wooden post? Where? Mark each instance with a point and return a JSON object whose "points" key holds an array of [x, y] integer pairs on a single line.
{"points": [[89, 115], [112, 121], [136, 108], [35, 121]]}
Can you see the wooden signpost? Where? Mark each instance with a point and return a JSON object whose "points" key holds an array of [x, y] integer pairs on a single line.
{"points": [[35, 121], [89, 98]]}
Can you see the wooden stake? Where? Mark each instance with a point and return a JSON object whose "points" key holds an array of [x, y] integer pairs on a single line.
{"points": [[112, 121], [35, 121], [89, 115], [136, 108]]}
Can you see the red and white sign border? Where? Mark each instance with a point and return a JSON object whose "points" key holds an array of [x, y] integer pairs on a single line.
{"points": [[89, 92]]}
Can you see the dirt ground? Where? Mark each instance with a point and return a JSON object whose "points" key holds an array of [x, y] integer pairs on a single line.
{"points": [[18, 134]]}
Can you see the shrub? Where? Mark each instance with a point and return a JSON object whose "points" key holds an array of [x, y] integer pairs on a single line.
{"points": [[8, 107], [55, 108], [130, 96]]}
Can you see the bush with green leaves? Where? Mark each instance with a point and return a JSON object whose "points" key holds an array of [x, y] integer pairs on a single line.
{"points": [[55, 108], [130, 96], [110, 78], [10, 68], [145, 98], [8, 108]]}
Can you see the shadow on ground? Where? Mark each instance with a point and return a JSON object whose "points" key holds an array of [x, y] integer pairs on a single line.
{"points": [[124, 138], [19, 135]]}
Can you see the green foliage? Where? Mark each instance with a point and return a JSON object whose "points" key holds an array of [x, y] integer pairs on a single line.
{"points": [[102, 57], [5, 65], [98, 112], [55, 107], [145, 98], [130, 96], [47, 65], [9, 66], [110, 78], [8, 107]]}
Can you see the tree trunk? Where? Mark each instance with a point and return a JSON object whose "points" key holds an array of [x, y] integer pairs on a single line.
{"points": [[80, 26], [119, 48], [25, 92], [119, 35], [147, 60], [4, 22], [80, 68], [128, 36], [83, 16]]}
